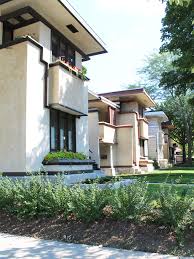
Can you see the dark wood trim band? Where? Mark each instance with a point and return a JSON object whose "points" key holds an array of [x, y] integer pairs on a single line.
{"points": [[79, 114], [70, 162], [49, 25], [37, 18]]}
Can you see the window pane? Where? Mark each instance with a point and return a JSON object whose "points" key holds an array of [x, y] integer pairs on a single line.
{"points": [[55, 46], [63, 51], [63, 132], [54, 128], [71, 133], [71, 56]]}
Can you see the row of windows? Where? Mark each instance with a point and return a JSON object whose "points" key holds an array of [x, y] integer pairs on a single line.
{"points": [[62, 131], [61, 49]]}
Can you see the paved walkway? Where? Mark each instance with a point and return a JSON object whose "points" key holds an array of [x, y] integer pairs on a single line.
{"points": [[23, 247]]}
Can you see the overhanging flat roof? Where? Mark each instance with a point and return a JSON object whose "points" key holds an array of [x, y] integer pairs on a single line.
{"points": [[60, 13], [96, 101], [157, 114], [139, 95]]}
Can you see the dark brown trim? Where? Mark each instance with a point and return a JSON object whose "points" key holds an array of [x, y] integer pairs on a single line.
{"points": [[80, 114], [95, 100], [93, 110], [107, 124], [69, 162], [37, 18], [84, 55], [124, 126]]}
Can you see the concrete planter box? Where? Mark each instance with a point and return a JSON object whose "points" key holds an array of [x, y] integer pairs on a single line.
{"points": [[68, 165]]}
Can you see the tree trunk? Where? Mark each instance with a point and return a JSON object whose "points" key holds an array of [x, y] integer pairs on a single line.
{"points": [[190, 144], [184, 152]]}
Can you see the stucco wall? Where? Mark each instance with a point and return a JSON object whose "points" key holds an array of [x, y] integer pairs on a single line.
{"points": [[143, 129], [41, 33], [131, 118], [155, 142], [129, 106], [93, 118], [45, 41], [82, 140], [37, 117], [124, 147], [30, 30], [68, 90], [13, 65]]}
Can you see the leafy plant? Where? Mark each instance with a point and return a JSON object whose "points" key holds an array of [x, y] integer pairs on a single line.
{"points": [[175, 210], [64, 155], [129, 202]]}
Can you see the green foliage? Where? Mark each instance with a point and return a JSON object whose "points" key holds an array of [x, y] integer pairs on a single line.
{"points": [[179, 111], [38, 196], [84, 73], [129, 202], [86, 204], [175, 210], [177, 38], [155, 64], [64, 155]]}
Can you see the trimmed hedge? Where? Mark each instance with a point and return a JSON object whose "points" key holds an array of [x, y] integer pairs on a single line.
{"points": [[64, 155]]}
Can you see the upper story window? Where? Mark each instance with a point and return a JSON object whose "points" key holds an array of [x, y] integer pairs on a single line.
{"points": [[141, 111], [61, 49]]}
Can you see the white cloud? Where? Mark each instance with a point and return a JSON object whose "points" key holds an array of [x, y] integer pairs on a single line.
{"points": [[142, 7]]}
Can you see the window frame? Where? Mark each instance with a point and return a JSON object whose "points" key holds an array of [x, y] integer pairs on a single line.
{"points": [[59, 115], [68, 48]]}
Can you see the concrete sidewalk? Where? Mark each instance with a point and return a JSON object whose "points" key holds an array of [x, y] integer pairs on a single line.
{"points": [[24, 247]]}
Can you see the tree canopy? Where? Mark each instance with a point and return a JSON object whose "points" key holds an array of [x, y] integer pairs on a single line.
{"points": [[177, 38]]}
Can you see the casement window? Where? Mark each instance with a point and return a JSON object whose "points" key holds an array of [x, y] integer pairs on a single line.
{"points": [[143, 147], [62, 131], [61, 49], [7, 33], [141, 111]]}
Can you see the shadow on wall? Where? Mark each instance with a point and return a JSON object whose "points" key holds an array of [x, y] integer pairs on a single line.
{"points": [[39, 144]]}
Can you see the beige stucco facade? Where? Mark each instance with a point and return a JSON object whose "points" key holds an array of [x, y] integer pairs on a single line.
{"points": [[122, 132], [159, 142], [33, 83]]}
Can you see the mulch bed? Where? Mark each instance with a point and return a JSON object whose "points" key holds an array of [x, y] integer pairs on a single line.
{"points": [[118, 234]]}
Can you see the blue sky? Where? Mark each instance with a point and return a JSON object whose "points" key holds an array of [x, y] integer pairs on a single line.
{"points": [[130, 29]]}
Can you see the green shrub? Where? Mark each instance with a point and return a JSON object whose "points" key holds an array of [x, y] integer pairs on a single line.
{"points": [[87, 204], [129, 202], [64, 155], [39, 196], [175, 210]]}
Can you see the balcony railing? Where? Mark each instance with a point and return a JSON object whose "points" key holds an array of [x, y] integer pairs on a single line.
{"points": [[107, 133]]}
